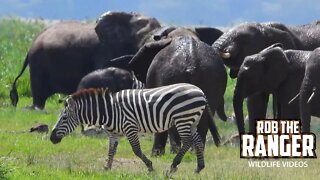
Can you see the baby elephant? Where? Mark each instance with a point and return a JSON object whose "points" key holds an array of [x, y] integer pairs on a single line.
{"points": [[114, 78], [279, 72]]}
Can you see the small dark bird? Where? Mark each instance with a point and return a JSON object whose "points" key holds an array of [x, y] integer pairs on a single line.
{"points": [[40, 128]]}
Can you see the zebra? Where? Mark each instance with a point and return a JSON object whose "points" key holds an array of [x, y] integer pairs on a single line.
{"points": [[133, 111]]}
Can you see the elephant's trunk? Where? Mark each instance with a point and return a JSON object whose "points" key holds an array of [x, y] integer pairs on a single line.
{"points": [[238, 109], [162, 32], [305, 94]]}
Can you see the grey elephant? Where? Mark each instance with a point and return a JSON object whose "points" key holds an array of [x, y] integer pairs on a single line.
{"points": [[115, 79], [309, 91], [65, 52], [179, 56], [273, 70], [250, 38]]}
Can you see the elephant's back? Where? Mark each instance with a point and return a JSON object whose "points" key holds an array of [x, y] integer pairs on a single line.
{"points": [[64, 35], [115, 79]]}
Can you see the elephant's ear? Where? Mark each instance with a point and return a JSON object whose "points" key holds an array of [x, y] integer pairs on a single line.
{"points": [[281, 34], [276, 66], [141, 61], [119, 62], [207, 34]]}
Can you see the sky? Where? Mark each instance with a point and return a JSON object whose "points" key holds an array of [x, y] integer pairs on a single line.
{"points": [[177, 12]]}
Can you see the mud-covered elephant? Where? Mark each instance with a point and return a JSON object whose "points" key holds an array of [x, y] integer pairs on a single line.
{"points": [[179, 56], [309, 91], [250, 38], [65, 52], [273, 70]]}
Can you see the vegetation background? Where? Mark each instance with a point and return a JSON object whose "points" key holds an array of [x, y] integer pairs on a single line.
{"points": [[25, 155]]}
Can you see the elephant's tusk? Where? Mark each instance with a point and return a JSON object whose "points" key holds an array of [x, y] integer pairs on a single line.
{"points": [[310, 98], [225, 55], [294, 98]]}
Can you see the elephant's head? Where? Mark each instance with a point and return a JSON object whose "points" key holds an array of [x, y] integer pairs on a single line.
{"points": [[262, 72], [124, 31], [239, 42], [250, 38]]}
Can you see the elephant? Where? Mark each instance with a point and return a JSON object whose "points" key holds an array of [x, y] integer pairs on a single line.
{"points": [[115, 79], [65, 52], [250, 38], [273, 70], [309, 91], [177, 55]]}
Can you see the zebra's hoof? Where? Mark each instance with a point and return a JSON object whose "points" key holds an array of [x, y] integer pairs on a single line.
{"points": [[198, 169], [150, 169], [173, 169], [107, 168]]}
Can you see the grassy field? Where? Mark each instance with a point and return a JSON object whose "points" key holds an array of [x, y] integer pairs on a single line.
{"points": [[25, 155]]}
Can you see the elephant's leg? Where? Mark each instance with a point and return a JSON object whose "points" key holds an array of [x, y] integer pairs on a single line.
{"points": [[40, 90], [257, 109], [175, 142], [160, 140]]}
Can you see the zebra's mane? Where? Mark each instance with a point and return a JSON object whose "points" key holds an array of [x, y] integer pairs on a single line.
{"points": [[89, 91]]}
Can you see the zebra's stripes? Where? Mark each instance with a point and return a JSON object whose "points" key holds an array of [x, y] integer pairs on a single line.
{"points": [[136, 84], [129, 112]]}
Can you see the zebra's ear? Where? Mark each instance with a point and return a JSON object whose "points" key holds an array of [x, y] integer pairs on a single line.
{"points": [[70, 102]]}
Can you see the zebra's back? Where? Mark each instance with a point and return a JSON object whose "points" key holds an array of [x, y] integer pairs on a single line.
{"points": [[154, 110]]}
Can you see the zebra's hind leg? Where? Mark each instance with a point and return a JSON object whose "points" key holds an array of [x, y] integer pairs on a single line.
{"points": [[186, 139], [197, 142], [135, 144], [113, 144]]}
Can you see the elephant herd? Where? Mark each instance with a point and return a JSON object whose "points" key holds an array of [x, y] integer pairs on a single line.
{"points": [[266, 58]]}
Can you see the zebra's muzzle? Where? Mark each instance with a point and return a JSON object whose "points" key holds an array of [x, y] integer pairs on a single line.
{"points": [[54, 138]]}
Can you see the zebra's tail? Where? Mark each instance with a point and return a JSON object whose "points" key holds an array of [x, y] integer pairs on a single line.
{"points": [[213, 128]]}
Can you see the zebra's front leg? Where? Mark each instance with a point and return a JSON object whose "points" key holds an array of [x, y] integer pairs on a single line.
{"points": [[135, 144], [113, 144]]}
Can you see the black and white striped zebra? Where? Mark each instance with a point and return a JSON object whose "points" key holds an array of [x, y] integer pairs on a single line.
{"points": [[129, 112]]}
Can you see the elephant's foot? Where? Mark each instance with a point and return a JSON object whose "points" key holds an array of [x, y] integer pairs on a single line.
{"points": [[158, 151], [34, 108]]}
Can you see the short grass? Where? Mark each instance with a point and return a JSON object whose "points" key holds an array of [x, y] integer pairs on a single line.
{"points": [[25, 155]]}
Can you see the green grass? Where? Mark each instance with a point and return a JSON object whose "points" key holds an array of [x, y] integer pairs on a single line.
{"points": [[25, 155]]}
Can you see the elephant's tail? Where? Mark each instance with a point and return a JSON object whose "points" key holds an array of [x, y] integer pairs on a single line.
{"points": [[13, 92], [213, 128]]}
